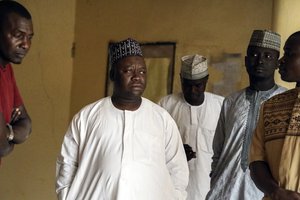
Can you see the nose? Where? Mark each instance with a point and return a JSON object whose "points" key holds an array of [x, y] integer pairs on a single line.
{"points": [[195, 89], [260, 59], [136, 75], [25, 44], [281, 61]]}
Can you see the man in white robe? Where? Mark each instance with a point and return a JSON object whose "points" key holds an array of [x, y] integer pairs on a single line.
{"points": [[230, 175], [196, 113], [123, 147]]}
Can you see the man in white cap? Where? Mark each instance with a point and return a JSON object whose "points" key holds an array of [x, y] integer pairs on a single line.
{"points": [[230, 175], [124, 146], [196, 113]]}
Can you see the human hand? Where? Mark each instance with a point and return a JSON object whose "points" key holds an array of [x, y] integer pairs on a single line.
{"points": [[282, 194], [190, 154], [15, 115]]}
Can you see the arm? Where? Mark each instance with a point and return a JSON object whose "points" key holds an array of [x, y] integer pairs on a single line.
{"points": [[5, 146], [259, 169], [21, 125], [261, 175], [67, 162], [20, 120], [218, 142], [263, 179], [176, 160]]}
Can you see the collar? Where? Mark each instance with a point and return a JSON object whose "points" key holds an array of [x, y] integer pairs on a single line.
{"points": [[260, 94], [3, 68]]}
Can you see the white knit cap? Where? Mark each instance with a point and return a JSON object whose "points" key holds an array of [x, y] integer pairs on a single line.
{"points": [[193, 67]]}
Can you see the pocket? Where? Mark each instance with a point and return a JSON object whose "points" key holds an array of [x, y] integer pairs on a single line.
{"points": [[205, 139]]}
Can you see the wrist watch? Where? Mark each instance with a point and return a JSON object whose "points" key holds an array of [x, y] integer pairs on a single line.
{"points": [[10, 136]]}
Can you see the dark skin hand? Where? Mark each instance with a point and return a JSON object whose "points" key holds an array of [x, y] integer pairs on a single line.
{"points": [[190, 154], [263, 179], [282, 194], [21, 124], [5, 146], [15, 115]]}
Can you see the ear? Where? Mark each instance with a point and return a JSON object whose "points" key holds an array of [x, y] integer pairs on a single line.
{"points": [[207, 77], [112, 74], [180, 78]]}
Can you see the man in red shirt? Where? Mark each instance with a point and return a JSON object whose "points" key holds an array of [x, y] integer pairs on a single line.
{"points": [[16, 32]]}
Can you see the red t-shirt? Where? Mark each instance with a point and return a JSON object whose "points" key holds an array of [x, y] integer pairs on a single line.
{"points": [[9, 92]]}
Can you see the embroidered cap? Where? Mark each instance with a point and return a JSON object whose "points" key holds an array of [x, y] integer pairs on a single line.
{"points": [[128, 47], [193, 67], [266, 39]]}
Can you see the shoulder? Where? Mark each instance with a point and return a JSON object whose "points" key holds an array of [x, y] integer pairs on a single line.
{"points": [[91, 108], [235, 96], [170, 97], [8, 70], [283, 97], [280, 89], [168, 102], [155, 109], [214, 97], [151, 105]]}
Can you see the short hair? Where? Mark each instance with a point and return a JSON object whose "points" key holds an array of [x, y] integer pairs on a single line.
{"points": [[8, 6], [296, 34]]}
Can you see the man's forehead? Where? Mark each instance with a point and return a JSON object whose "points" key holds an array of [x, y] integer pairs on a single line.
{"points": [[16, 19], [132, 60], [197, 81], [19, 23], [260, 49]]}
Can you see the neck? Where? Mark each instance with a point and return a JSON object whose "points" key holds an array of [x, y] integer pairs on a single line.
{"points": [[3, 62], [195, 102], [126, 104], [262, 85]]}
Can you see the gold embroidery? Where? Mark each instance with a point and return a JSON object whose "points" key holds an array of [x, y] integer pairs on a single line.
{"points": [[277, 116]]}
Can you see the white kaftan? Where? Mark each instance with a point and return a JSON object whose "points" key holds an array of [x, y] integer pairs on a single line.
{"points": [[230, 176], [197, 126], [112, 154]]}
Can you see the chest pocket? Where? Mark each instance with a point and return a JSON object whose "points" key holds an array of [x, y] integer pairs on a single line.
{"points": [[205, 139]]}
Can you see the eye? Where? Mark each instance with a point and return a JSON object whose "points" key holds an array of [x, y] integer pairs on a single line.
{"points": [[30, 37], [254, 55], [128, 70], [268, 56], [143, 72], [200, 85], [18, 35]]}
